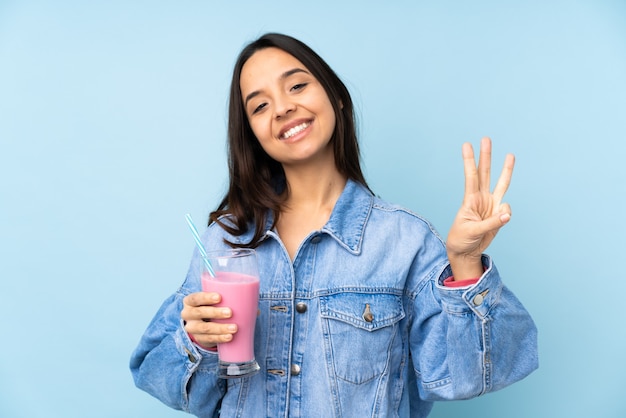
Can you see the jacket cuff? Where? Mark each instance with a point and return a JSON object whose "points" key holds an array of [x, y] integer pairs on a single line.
{"points": [[478, 297], [193, 340], [196, 354], [450, 282]]}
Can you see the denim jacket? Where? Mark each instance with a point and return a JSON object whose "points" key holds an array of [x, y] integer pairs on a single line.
{"points": [[320, 356]]}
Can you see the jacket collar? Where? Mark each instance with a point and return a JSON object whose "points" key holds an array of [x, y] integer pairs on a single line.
{"points": [[348, 218]]}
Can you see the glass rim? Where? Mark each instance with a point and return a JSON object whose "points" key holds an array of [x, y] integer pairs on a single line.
{"points": [[230, 253]]}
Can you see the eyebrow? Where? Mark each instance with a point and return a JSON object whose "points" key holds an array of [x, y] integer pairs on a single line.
{"points": [[283, 76]]}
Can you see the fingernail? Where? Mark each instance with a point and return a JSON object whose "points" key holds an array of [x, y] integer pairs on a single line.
{"points": [[232, 328], [215, 298], [226, 312], [505, 217]]}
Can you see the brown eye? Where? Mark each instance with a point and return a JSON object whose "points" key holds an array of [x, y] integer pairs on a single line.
{"points": [[259, 108], [299, 86]]}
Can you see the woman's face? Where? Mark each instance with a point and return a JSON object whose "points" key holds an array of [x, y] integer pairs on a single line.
{"points": [[288, 109]]}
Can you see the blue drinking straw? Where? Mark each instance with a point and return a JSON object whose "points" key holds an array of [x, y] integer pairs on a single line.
{"points": [[196, 237]]}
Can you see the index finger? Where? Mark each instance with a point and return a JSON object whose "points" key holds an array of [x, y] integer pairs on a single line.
{"points": [[202, 299], [505, 178]]}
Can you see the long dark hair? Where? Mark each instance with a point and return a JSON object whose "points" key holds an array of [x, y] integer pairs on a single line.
{"points": [[257, 180]]}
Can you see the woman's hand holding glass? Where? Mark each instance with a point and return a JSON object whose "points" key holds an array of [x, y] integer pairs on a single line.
{"points": [[197, 314]]}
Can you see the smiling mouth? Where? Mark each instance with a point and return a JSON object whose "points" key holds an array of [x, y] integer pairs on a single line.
{"points": [[296, 129]]}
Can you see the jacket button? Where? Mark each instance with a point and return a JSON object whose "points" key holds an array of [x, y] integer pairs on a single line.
{"points": [[301, 307], [190, 355], [368, 316], [316, 239], [295, 370], [480, 298]]}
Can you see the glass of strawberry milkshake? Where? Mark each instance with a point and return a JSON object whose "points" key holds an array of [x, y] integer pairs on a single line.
{"points": [[235, 277]]}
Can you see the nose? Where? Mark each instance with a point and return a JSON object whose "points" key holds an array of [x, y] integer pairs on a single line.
{"points": [[283, 105]]}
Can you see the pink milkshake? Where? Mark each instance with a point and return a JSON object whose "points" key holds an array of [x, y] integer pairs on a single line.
{"points": [[234, 274], [240, 293]]}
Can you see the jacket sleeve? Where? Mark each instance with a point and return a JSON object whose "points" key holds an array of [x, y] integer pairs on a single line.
{"points": [[471, 340], [170, 367]]}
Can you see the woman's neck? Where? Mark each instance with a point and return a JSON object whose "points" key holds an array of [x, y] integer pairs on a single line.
{"points": [[310, 200], [313, 188]]}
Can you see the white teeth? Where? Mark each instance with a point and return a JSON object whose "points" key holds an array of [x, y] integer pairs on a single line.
{"points": [[291, 132]]}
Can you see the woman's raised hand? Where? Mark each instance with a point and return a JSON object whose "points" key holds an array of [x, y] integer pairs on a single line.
{"points": [[482, 213]]}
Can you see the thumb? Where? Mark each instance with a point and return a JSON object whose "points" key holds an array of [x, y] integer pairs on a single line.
{"points": [[504, 213], [497, 220]]}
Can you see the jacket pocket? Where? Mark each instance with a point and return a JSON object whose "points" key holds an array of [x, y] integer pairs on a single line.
{"points": [[360, 331]]}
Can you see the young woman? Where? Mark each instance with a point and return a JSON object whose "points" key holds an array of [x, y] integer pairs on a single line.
{"points": [[364, 311]]}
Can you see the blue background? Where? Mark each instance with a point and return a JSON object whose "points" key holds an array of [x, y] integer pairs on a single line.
{"points": [[112, 127]]}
